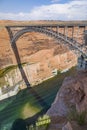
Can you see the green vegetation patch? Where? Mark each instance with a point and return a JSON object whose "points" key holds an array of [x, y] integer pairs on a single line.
{"points": [[4, 71], [79, 117]]}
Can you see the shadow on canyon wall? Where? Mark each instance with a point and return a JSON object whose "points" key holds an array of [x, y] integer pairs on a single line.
{"points": [[41, 101], [23, 74], [16, 53]]}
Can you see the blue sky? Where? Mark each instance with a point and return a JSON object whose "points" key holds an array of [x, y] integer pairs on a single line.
{"points": [[20, 5], [43, 9], [17, 6]]}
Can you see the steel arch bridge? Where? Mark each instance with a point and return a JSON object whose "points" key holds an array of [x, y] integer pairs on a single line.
{"points": [[71, 35], [68, 34]]}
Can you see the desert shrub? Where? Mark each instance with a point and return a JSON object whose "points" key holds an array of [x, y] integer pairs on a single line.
{"points": [[79, 117]]}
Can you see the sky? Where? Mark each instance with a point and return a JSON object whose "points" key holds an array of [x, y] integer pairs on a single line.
{"points": [[43, 10]]}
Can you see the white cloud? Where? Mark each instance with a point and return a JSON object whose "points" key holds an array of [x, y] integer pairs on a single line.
{"points": [[73, 10]]}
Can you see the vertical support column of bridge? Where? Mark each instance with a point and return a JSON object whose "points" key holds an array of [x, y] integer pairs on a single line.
{"points": [[84, 28], [72, 32], [84, 36], [57, 30], [82, 59], [45, 28], [51, 30], [40, 29], [66, 32], [63, 30], [77, 34]]}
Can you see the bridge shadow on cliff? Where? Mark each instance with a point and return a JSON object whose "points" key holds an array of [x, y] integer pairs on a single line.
{"points": [[23, 74], [16, 53]]}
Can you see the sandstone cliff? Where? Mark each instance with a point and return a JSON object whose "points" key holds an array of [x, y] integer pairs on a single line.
{"points": [[38, 69]]}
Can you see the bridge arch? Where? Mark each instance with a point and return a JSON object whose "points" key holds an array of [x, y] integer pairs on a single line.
{"points": [[35, 29], [58, 36]]}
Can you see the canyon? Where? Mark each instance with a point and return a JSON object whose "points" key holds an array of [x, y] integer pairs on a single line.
{"points": [[43, 58], [42, 54]]}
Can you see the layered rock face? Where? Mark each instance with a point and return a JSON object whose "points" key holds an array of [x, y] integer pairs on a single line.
{"points": [[42, 65]]}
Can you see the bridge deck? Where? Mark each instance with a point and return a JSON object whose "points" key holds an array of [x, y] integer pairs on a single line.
{"points": [[49, 25]]}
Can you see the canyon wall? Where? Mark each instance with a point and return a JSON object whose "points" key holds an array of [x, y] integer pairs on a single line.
{"points": [[42, 67]]}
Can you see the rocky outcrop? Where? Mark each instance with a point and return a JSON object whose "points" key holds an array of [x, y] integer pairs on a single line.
{"points": [[72, 92]]}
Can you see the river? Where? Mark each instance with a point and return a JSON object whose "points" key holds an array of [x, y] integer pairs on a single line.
{"points": [[30, 103]]}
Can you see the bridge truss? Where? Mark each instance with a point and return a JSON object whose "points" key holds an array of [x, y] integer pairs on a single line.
{"points": [[68, 34]]}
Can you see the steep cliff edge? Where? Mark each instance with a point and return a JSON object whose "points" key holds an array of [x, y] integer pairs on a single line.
{"points": [[73, 93]]}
